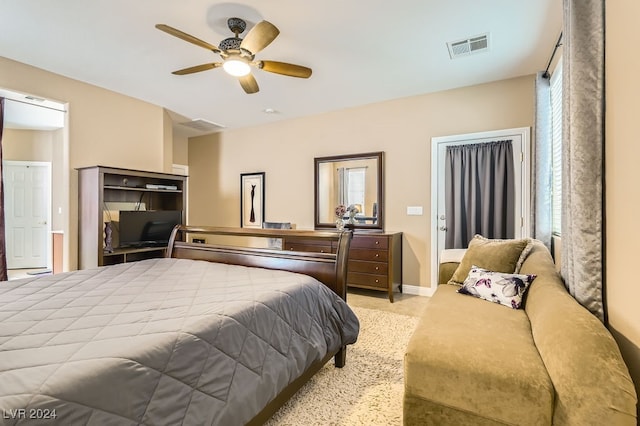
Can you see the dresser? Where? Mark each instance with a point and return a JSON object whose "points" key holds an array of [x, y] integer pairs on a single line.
{"points": [[375, 259]]}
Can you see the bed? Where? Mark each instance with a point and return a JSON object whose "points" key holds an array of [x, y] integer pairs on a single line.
{"points": [[209, 334]]}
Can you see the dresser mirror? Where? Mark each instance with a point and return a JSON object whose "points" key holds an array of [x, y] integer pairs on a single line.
{"points": [[355, 181]]}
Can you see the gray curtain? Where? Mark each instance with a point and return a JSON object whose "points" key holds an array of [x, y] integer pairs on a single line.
{"points": [[479, 192], [583, 153], [542, 182]]}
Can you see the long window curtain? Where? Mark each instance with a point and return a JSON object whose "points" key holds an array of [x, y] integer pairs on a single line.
{"points": [[342, 193], [479, 192], [3, 245], [583, 153], [543, 148]]}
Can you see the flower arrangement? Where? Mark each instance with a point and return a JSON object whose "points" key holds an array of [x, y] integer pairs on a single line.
{"points": [[353, 211], [340, 211]]}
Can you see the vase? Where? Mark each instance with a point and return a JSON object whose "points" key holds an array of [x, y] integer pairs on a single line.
{"points": [[108, 247], [340, 224]]}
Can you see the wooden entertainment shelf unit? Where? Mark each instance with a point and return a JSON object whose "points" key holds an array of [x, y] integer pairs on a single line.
{"points": [[99, 186]]}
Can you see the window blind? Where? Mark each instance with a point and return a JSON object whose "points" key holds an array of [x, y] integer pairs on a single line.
{"points": [[556, 161]]}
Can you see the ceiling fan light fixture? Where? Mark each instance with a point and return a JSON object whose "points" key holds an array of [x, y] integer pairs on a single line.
{"points": [[236, 66], [238, 54]]}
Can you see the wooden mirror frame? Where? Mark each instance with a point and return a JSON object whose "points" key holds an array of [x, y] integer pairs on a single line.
{"points": [[379, 156]]}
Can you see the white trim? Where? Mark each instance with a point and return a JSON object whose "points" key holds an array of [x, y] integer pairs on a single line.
{"points": [[418, 290], [525, 190], [32, 100]]}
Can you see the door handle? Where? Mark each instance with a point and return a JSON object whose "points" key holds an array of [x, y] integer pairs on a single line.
{"points": [[443, 228]]}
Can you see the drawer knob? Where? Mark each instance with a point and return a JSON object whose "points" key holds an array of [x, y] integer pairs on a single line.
{"points": [[377, 242], [377, 268], [377, 281], [321, 251], [377, 255]]}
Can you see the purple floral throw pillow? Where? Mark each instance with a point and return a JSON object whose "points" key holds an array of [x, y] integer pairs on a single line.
{"points": [[506, 289]]}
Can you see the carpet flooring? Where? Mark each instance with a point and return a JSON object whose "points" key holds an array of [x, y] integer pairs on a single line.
{"points": [[368, 390]]}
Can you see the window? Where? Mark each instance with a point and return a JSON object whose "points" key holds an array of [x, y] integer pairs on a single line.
{"points": [[556, 143], [356, 186]]}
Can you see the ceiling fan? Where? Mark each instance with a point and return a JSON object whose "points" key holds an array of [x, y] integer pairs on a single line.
{"points": [[238, 54]]}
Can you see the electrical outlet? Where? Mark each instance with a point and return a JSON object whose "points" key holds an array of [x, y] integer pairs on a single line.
{"points": [[414, 210]]}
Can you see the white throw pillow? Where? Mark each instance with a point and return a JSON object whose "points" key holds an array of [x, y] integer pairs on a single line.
{"points": [[498, 287]]}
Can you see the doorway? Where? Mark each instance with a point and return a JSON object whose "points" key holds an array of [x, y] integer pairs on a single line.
{"points": [[521, 150], [35, 135], [27, 201]]}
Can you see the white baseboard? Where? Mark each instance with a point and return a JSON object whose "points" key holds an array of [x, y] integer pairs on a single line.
{"points": [[418, 290]]}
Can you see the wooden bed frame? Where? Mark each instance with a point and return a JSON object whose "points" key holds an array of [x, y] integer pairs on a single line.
{"points": [[328, 268]]}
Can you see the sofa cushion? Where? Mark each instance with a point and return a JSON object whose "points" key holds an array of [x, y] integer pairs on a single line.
{"points": [[491, 254], [592, 383], [497, 287], [446, 271], [476, 358]]}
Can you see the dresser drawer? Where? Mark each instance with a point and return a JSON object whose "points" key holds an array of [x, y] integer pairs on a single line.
{"points": [[375, 261], [312, 248], [370, 241], [369, 267], [370, 255], [311, 245], [369, 280]]}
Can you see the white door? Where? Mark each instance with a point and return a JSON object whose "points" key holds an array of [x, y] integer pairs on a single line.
{"points": [[27, 189], [520, 142]]}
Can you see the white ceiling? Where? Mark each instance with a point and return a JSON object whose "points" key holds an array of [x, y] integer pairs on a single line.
{"points": [[360, 51]]}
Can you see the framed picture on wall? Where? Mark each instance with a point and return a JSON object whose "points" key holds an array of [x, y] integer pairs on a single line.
{"points": [[251, 200]]}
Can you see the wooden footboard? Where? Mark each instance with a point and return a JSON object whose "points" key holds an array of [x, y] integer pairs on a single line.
{"points": [[328, 268]]}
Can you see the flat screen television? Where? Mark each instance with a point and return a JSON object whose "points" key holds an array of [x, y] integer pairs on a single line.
{"points": [[147, 228]]}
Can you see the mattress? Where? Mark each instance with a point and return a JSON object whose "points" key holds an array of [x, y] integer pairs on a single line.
{"points": [[160, 342]]}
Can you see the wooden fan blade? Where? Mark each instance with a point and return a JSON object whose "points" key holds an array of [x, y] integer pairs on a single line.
{"points": [[198, 68], [187, 37], [259, 37], [249, 84], [286, 69]]}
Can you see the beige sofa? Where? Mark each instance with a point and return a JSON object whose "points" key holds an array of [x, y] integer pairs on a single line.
{"points": [[473, 362]]}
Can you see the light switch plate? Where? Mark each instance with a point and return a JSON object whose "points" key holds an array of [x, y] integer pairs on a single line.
{"points": [[414, 210]]}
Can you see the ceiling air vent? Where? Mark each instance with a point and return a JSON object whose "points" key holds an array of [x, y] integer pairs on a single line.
{"points": [[202, 125], [468, 46]]}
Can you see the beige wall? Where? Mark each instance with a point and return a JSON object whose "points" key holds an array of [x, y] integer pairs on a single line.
{"points": [[180, 149], [622, 177], [27, 145], [167, 142], [104, 128], [401, 128]]}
